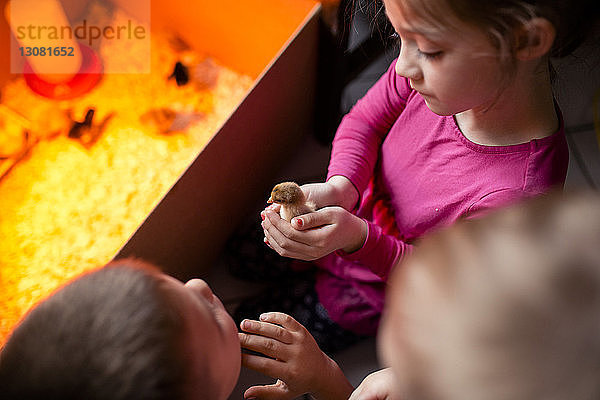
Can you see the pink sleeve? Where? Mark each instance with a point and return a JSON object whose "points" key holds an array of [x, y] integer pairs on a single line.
{"points": [[380, 252], [359, 136]]}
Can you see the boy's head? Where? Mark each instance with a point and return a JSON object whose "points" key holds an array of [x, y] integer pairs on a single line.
{"points": [[125, 331], [502, 308]]}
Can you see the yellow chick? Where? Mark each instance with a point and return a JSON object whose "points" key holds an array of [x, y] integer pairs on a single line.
{"points": [[292, 200]]}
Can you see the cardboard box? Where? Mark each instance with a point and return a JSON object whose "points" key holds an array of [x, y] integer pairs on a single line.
{"points": [[275, 43]]}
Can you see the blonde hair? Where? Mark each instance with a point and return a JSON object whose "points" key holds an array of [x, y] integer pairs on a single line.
{"points": [[504, 308]]}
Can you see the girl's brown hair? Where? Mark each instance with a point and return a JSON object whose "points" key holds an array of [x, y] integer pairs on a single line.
{"points": [[572, 20]]}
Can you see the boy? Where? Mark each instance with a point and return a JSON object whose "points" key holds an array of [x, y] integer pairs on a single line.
{"points": [[124, 331]]}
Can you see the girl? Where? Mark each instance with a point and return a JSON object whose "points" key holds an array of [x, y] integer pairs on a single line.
{"points": [[463, 121]]}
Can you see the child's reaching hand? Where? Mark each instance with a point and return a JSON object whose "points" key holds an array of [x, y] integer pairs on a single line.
{"points": [[293, 357]]}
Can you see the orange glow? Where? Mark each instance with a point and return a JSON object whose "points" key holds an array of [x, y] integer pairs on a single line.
{"points": [[68, 208], [251, 33]]}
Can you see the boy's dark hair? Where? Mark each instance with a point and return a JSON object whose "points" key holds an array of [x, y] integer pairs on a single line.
{"points": [[110, 334]]}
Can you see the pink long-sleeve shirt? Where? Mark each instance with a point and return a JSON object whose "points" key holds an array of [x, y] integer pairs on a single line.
{"points": [[416, 172]]}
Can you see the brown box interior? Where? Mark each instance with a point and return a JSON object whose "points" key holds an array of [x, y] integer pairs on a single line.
{"points": [[275, 43]]}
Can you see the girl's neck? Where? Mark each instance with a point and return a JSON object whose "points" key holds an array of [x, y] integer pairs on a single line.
{"points": [[524, 111]]}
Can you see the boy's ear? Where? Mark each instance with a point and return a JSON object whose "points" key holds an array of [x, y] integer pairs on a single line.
{"points": [[534, 39]]}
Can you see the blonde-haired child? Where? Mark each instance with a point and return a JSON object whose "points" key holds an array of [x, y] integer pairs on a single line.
{"points": [[502, 308]]}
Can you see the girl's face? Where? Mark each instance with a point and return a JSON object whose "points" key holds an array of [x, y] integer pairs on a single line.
{"points": [[212, 342], [454, 70]]}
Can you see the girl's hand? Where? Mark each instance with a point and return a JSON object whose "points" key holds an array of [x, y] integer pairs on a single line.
{"points": [[293, 357], [314, 235], [337, 191], [379, 385]]}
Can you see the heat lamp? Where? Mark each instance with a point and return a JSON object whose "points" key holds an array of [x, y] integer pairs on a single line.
{"points": [[56, 65]]}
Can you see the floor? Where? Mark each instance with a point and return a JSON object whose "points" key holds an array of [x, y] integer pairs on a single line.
{"points": [[578, 83]]}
